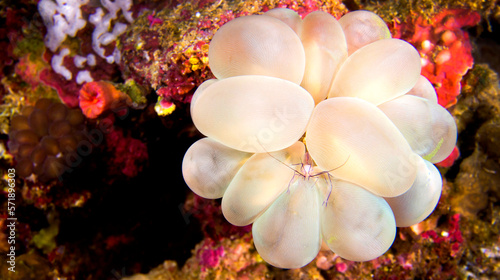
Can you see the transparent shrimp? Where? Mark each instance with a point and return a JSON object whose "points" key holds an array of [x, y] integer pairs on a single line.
{"points": [[305, 171]]}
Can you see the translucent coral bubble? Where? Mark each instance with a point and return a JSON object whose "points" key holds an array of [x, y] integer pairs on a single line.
{"points": [[75, 117], [362, 28], [19, 122], [287, 234], [378, 72], [12, 145], [424, 89], [258, 183], [59, 128], [38, 169], [290, 17], [38, 155], [39, 122], [25, 137], [43, 104], [253, 113], [27, 110], [419, 201], [50, 145], [199, 91], [24, 168], [362, 145], [428, 127], [257, 45], [355, 224], [24, 150], [325, 49], [68, 143], [57, 112], [52, 167], [208, 167]]}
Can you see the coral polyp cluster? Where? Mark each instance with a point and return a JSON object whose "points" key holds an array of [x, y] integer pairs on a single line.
{"points": [[317, 130], [41, 137]]}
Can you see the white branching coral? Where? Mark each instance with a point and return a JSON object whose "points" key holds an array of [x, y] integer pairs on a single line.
{"points": [[372, 130], [64, 18]]}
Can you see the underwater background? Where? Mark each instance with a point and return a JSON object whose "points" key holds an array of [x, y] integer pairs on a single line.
{"points": [[110, 83]]}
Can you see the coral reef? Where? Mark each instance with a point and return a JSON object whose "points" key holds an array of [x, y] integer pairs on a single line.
{"points": [[445, 49], [123, 210], [129, 155], [398, 11], [212, 222], [81, 43], [478, 180], [233, 258]]}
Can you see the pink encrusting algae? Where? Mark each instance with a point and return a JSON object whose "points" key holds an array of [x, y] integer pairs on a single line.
{"points": [[445, 49]]}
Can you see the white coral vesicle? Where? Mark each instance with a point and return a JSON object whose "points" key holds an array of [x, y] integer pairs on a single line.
{"points": [[378, 72], [325, 49], [258, 183], [427, 126], [257, 45], [288, 234], [362, 28], [209, 167], [424, 89], [356, 224], [418, 202], [356, 132], [253, 113], [318, 131]]}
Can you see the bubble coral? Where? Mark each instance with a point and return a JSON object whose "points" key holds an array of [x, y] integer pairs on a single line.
{"points": [[42, 136], [371, 134]]}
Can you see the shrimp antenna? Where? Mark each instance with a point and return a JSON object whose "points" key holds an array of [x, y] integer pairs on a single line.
{"points": [[328, 171], [325, 203], [269, 154]]}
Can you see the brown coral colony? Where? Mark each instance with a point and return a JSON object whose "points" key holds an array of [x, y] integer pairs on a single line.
{"points": [[42, 137]]}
